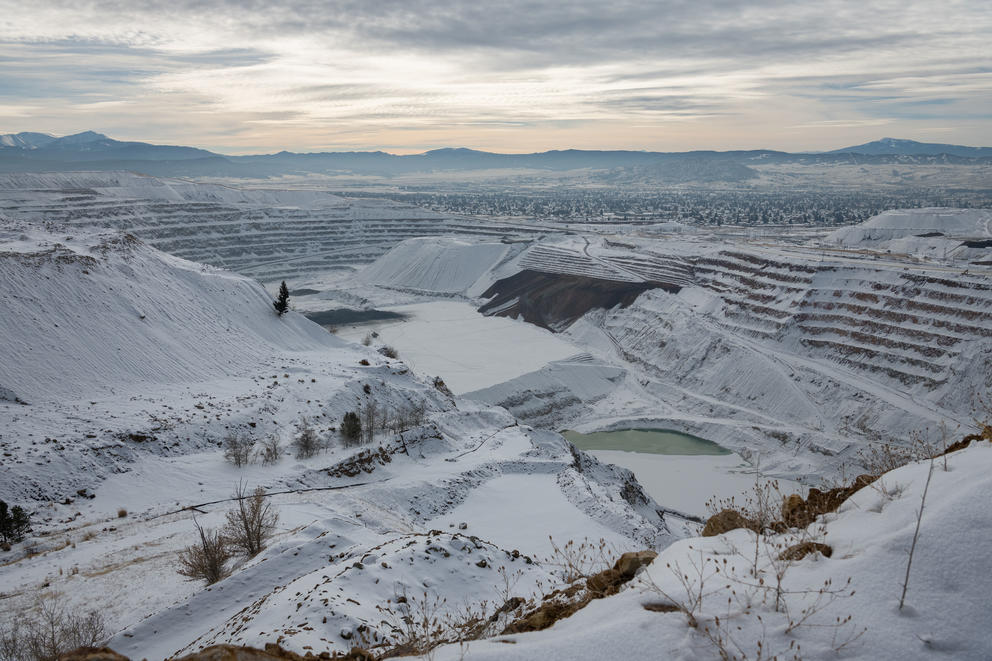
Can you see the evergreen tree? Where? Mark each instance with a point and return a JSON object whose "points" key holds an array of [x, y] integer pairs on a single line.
{"points": [[282, 303], [14, 523], [351, 428]]}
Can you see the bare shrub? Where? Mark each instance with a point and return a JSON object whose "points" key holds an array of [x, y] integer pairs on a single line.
{"points": [[407, 416], [916, 535], [369, 415], [367, 340], [251, 525], [417, 625], [761, 507], [206, 560], [389, 352], [48, 629], [121, 513], [880, 458], [688, 599], [574, 561], [270, 452], [306, 443], [238, 447]]}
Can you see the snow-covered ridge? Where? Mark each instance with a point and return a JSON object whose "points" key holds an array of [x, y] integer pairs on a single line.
{"points": [[91, 313]]}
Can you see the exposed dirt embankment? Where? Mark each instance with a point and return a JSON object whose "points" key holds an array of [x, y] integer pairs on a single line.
{"points": [[554, 300]]}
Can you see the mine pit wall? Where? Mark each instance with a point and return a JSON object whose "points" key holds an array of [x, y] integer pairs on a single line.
{"points": [[555, 300], [919, 332]]}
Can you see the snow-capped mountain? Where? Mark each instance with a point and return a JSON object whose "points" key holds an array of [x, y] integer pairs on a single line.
{"points": [[912, 148], [26, 140]]}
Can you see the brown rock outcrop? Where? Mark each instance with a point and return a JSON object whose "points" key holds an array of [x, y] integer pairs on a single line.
{"points": [[725, 521]]}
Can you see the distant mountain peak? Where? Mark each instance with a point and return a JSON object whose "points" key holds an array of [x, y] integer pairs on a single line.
{"points": [[455, 150], [82, 138], [26, 140], [902, 146]]}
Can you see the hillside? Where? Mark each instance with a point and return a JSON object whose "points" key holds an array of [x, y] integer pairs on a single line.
{"points": [[131, 366], [820, 614]]}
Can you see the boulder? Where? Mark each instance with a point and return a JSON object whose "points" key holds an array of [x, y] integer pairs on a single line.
{"points": [[795, 512], [725, 521], [800, 551], [630, 562], [604, 583]]}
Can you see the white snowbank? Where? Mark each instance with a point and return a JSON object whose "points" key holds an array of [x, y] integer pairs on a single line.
{"points": [[438, 265], [901, 223]]}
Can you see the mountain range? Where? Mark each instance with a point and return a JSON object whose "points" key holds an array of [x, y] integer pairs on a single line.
{"points": [[34, 152]]}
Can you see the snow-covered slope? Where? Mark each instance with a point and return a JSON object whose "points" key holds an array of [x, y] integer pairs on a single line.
{"points": [[436, 265], [820, 615], [95, 313], [940, 232], [131, 366]]}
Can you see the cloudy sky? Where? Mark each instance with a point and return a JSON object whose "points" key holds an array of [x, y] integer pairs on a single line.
{"points": [[502, 75]]}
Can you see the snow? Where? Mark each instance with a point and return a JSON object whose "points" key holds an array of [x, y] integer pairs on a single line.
{"points": [[437, 265], [946, 612], [135, 364], [467, 349], [81, 320], [684, 483], [121, 367], [540, 502], [906, 223]]}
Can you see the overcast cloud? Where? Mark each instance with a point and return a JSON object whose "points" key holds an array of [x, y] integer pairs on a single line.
{"points": [[506, 75]]}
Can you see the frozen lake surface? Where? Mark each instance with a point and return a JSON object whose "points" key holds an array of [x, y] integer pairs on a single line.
{"points": [[465, 348], [679, 471]]}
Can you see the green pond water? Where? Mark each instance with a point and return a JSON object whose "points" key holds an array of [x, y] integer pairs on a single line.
{"points": [[650, 441]]}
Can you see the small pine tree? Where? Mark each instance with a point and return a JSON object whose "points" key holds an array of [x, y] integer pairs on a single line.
{"points": [[14, 523], [281, 304], [351, 428]]}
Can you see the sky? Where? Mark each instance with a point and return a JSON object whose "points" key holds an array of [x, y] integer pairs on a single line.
{"points": [[500, 75]]}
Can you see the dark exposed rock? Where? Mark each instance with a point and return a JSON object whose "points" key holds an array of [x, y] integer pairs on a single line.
{"points": [[555, 300]]}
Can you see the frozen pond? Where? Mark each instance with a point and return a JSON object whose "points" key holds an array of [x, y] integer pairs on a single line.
{"points": [[467, 349], [679, 471]]}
